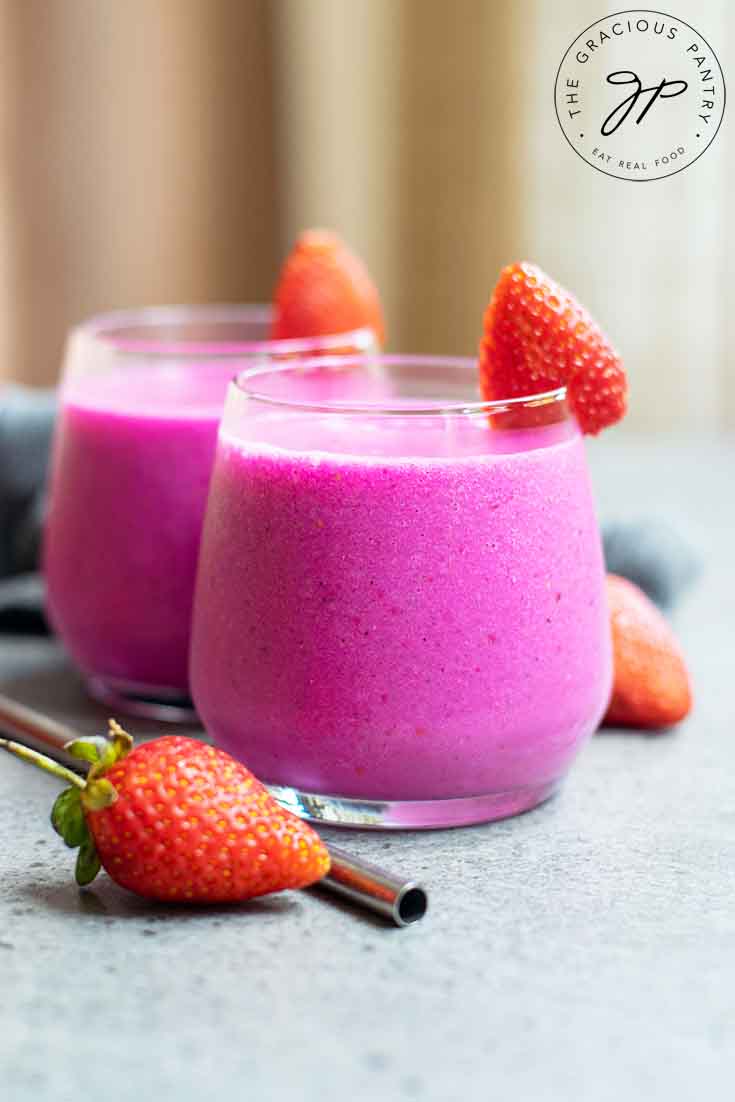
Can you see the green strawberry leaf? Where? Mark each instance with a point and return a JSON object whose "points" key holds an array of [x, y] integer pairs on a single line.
{"points": [[110, 750], [67, 817], [121, 742], [98, 793], [88, 862], [88, 749], [109, 755]]}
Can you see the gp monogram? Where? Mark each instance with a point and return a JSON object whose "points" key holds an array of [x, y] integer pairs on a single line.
{"points": [[640, 95]]}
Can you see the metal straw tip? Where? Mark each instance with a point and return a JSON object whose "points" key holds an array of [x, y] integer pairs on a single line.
{"points": [[411, 904], [401, 901]]}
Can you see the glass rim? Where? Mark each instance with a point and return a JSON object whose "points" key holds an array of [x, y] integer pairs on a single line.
{"points": [[242, 382], [96, 329]]}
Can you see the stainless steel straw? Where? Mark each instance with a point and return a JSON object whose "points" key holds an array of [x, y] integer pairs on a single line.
{"points": [[395, 898]]}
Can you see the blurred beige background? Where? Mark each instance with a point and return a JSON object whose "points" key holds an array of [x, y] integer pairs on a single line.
{"points": [[169, 150]]}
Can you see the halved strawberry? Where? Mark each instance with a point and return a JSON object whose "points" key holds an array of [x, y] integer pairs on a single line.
{"points": [[324, 288], [538, 337], [651, 687]]}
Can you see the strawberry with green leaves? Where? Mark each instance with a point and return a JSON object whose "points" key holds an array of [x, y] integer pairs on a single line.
{"points": [[174, 819]]}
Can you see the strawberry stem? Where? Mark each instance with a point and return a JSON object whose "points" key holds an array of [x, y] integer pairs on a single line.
{"points": [[42, 762], [69, 813]]}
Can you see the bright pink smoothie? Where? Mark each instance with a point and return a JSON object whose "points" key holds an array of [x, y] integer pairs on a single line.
{"points": [[395, 626], [132, 462]]}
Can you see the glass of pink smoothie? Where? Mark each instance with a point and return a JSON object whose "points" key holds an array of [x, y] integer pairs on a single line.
{"points": [[400, 616], [141, 398]]}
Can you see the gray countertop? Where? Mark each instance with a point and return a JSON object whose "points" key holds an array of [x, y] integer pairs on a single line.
{"points": [[582, 952]]}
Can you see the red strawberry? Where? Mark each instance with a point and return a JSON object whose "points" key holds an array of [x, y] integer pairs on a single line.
{"points": [[324, 288], [538, 337], [651, 686], [177, 820]]}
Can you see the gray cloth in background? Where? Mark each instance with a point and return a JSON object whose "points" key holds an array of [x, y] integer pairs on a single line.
{"points": [[654, 556], [26, 427], [651, 554]]}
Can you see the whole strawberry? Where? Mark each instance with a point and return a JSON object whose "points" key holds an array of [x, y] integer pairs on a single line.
{"points": [[537, 337], [651, 685], [177, 820], [324, 288]]}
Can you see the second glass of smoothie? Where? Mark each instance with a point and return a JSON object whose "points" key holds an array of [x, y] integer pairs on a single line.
{"points": [[400, 615], [141, 397]]}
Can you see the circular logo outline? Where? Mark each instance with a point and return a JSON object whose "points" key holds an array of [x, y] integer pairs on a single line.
{"points": [[615, 15]]}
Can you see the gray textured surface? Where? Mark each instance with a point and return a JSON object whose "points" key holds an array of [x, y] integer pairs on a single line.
{"points": [[584, 952]]}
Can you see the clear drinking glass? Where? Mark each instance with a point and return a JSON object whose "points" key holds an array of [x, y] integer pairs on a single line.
{"points": [[141, 398], [400, 616]]}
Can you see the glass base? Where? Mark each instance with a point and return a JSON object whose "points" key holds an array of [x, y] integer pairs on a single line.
{"points": [[145, 701], [411, 814]]}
